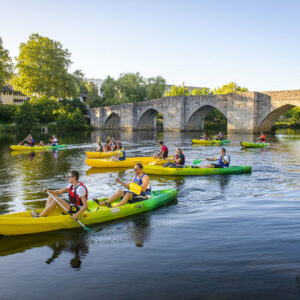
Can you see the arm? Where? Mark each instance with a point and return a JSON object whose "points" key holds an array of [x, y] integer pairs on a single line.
{"points": [[212, 159], [126, 185], [224, 160], [83, 208], [145, 184], [56, 192]]}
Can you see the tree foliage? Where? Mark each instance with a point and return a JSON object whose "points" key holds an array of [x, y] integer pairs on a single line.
{"points": [[200, 91], [42, 67], [6, 65], [228, 88], [178, 91], [155, 88]]}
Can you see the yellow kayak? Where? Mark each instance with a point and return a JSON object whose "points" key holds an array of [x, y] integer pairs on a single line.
{"points": [[210, 142], [98, 154], [29, 148], [127, 163], [24, 223]]}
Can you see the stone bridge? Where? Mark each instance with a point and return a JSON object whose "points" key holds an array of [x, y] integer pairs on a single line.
{"points": [[245, 112]]}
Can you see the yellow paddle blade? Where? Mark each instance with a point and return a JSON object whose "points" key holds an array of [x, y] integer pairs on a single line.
{"points": [[135, 188], [156, 161]]}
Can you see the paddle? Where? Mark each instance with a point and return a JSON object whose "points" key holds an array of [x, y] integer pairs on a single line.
{"points": [[24, 140], [133, 187], [197, 161], [81, 224], [156, 161]]}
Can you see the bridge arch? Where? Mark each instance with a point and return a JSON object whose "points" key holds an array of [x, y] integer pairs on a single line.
{"points": [[112, 121], [147, 121], [270, 120], [196, 120]]}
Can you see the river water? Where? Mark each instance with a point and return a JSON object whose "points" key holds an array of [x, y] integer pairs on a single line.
{"points": [[226, 237]]}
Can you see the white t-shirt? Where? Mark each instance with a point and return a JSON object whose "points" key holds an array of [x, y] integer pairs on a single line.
{"points": [[55, 141], [227, 158], [80, 191]]}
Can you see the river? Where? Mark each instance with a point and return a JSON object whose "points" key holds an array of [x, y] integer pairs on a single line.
{"points": [[225, 237]]}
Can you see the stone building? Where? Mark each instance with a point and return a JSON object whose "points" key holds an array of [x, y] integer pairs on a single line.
{"points": [[9, 96]]}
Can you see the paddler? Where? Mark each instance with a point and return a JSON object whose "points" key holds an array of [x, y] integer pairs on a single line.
{"points": [[78, 195], [121, 154], [164, 152], [179, 159], [140, 179], [220, 136], [223, 160], [53, 141], [205, 137], [101, 147], [262, 138], [30, 140]]}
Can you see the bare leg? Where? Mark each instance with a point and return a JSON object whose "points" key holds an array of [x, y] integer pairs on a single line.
{"points": [[125, 199], [114, 197], [208, 166], [51, 204]]}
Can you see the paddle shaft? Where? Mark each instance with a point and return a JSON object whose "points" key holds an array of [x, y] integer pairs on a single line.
{"points": [[81, 224], [24, 139]]}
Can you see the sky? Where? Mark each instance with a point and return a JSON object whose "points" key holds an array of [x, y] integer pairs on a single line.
{"points": [[199, 43]]}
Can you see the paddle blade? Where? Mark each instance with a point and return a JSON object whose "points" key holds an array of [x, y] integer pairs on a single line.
{"points": [[197, 161], [135, 188]]}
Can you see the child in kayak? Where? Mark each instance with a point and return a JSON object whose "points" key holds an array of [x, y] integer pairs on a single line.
{"points": [[78, 195], [179, 159], [140, 179], [100, 148], [223, 160], [164, 152], [262, 138], [121, 153]]}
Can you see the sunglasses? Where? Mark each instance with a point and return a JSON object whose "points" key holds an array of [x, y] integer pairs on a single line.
{"points": [[69, 176], [135, 169]]}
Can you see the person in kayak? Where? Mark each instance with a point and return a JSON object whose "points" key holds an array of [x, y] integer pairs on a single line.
{"points": [[101, 147], [164, 152], [179, 159], [220, 136], [262, 138], [53, 141], [204, 137], [140, 179], [223, 160], [30, 140], [121, 155], [78, 195]]}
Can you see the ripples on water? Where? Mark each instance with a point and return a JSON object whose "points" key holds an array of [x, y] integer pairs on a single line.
{"points": [[234, 236]]}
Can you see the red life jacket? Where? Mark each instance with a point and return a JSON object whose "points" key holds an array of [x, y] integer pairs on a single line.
{"points": [[74, 198], [263, 138], [182, 161]]}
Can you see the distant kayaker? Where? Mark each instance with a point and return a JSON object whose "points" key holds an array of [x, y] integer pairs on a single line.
{"points": [[223, 160], [101, 147], [220, 136], [164, 152], [78, 195], [121, 155], [109, 145], [262, 138], [30, 140], [179, 159], [140, 179], [204, 137], [53, 141]]}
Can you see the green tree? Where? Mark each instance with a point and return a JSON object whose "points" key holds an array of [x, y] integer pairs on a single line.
{"points": [[7, 112], [231, 87], [44, 108], [200, 91], [93, 98], [6, 66], [26, 116], [43, 69], [156, 87], [178, 91]]}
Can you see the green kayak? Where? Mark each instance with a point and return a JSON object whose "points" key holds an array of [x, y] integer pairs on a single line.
{"points": [[24, 223], [196, 171], [254, 145]]}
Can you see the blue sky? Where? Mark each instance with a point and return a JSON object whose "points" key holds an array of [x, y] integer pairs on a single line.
{"points": [[201, 43]]}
